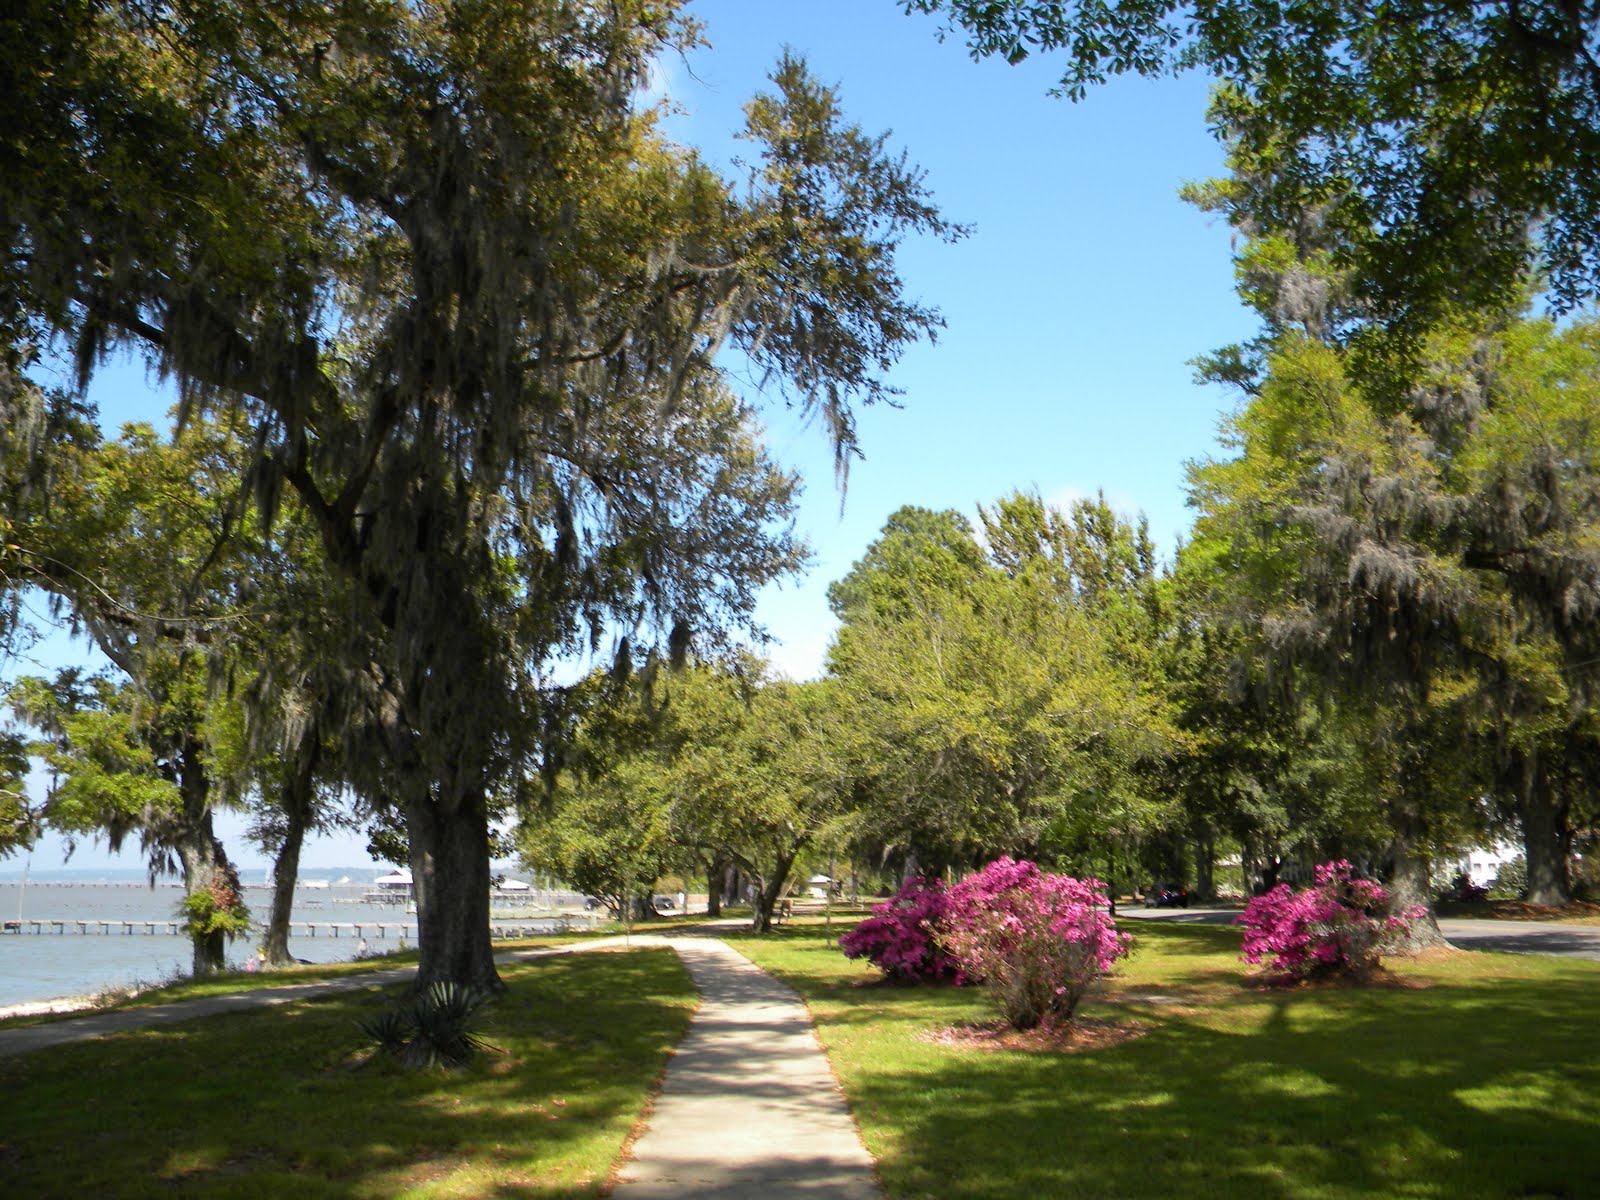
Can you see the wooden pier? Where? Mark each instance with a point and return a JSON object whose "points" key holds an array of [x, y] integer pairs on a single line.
{"points": [[336, 929]]}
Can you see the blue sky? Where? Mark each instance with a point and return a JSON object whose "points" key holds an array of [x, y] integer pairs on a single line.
{"points": [[1072, 310]]}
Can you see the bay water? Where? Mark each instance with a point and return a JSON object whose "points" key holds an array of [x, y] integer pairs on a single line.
{"points": [[45, 966]]}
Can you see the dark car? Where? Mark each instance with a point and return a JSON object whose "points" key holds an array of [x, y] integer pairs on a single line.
{"points": [[1168, 895]]}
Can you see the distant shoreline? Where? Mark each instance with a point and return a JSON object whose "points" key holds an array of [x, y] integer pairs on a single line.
{"points": [[39, 1008]]}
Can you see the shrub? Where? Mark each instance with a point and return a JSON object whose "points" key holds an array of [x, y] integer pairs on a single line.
{"points": [[1036, 941], [1338, 925], [433, 1029], [899, 938], [1511, 883]]}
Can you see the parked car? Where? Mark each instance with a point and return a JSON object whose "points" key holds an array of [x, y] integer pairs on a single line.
{"points": [[1167, 895]]}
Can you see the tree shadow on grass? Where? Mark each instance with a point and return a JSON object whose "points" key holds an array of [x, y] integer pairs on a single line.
{"points": [[1462, 1089], [281, 1102]]}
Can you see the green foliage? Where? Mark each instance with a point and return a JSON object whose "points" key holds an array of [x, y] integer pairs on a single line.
{"points": [[18, 825], [1002, 696], [478, 351], [607, 837], [433, 1029], [108, 775], [761, 771], [712, 761], [1448, 149], [215, 909], [1511, 882], [1404, 533]]}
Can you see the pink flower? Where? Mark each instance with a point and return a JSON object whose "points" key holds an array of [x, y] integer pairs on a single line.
{"points": [[1337, 924]]}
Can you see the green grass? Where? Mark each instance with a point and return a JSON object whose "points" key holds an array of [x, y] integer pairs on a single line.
{"points": [[1576, 913], [286, 1102], [1481, 1080], [224, 983]]}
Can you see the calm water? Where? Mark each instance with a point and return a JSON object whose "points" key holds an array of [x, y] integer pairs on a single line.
{"points": [[45, 966]]}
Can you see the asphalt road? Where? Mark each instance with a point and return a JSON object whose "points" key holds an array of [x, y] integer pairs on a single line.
{"points": [[1516, 937]]}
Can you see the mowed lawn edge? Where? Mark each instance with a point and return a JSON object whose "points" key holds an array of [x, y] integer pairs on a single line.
{"points": [[289, 1101], [1463, 1074]]}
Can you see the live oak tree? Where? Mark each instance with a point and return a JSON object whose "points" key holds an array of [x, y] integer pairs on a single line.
{"points": [[134, 542], [1442, 155], [1426, 552], [762, 770], [306, 721], [469, 298], [605, 828], [128, 761], [715, 761], [147, 547], [1097, 569]]}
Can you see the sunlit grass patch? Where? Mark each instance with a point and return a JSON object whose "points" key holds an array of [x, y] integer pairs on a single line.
{"points": [[1466, 1075]]}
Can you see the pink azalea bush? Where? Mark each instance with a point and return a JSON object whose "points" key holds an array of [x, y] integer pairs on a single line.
{"points": [[1338, 925], [1036, 941], [899, 937]]}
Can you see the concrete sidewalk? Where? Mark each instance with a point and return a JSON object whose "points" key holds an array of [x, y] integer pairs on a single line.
{"points": [[93, 1024], [750, 1108], [90, 1024]]}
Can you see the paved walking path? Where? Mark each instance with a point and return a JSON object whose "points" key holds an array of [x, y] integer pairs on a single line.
{"points": [[98, 1024], [749, 1107]]}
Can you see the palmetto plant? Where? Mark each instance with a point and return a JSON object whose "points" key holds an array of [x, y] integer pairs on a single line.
{"points": [[432, 1028]]}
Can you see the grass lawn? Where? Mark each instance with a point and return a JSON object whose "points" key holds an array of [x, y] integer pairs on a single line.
{"points": [[283, 1101], [224, 983], [1579, 912], [1481, 1078]]}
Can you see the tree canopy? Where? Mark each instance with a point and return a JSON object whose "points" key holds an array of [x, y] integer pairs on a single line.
{"points": [[1452, 147], [468, 299]]}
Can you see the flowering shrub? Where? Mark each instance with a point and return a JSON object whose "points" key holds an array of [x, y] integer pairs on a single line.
{"points": [[899, 937], [1036, 941], [1338, 925]]}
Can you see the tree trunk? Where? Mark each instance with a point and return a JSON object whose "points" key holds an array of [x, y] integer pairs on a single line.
{"points": [[205, 867], [1205, 863], [1409, 883], [912, 867], [1271, 865], [285, 872], [770, 891], [450, 870], [1546, 835], [298, 798], [205, 864], [716, 882]]}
